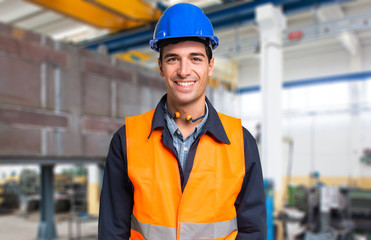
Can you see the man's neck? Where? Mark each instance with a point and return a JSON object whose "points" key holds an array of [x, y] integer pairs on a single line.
{"points": [[195, 110]]}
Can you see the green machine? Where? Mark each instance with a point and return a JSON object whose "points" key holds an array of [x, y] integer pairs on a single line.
{"points": [[360, 210]]}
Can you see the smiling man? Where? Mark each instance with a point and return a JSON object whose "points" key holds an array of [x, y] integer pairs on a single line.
{"points": [[183, 170], [186, 69]]}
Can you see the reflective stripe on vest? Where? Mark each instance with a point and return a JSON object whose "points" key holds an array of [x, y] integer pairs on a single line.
{"points": [[205, 209], [187, 230], [207, 230], [156, 232]]}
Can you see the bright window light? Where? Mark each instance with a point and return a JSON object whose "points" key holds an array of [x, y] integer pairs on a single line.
{"points": [[317, 97], [368, 92]]}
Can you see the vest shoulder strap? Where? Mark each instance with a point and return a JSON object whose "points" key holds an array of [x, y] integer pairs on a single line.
{"points": [[140, 125]]}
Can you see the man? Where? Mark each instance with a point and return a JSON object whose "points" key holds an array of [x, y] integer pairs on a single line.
{"points": [[182, 170]]}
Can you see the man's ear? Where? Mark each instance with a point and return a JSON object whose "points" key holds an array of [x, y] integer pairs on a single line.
{"points": [[211, 67], [160, 68]]}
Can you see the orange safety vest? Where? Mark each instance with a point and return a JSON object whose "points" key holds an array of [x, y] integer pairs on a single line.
{"points": [[205, 209]]}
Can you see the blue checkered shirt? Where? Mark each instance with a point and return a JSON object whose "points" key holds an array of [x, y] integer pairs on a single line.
{"points": [[182, 145]]}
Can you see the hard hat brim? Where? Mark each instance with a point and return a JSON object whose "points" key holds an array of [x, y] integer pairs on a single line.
{"points": [[214, 41]]}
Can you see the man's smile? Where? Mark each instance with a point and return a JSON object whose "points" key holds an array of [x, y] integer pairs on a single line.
{"points": [[185, 84]]}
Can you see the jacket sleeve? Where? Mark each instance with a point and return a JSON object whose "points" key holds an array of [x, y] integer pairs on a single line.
{"points": [[250, 203], [116, 200]]}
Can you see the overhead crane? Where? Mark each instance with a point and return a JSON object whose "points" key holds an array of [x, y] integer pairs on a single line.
{"points": [[221, 16], [107, 14]]}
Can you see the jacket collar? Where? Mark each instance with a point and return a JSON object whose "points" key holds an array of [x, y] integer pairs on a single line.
{"points": [[213, 124]]}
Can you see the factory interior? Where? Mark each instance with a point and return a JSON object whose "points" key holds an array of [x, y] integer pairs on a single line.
{"points": [[297, 73]]}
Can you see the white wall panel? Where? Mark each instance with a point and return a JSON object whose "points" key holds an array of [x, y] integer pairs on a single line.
{"points": [[332, 145], [316, 64], [248, 73], [299, 129]]}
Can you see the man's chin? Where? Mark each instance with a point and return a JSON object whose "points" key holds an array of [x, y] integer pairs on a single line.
{"points": [[185, 99]]}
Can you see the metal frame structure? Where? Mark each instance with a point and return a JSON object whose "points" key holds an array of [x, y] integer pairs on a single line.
{"points": [[221, 16]]}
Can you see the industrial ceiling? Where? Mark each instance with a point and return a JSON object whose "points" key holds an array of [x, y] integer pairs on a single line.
{"points": [[120, 26]]}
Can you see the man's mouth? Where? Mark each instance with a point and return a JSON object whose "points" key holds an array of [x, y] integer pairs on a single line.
{"points": [[185, 84]]}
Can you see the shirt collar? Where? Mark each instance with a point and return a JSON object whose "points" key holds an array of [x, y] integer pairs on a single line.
{"points": [[213, 124], [172, 126]]}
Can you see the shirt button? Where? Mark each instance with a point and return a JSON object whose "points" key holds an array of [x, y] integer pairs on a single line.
{"points": [[178, 132], [185, 149]]}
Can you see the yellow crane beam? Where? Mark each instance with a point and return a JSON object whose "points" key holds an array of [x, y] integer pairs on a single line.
{"points": [[89, 13], [136, 10]]}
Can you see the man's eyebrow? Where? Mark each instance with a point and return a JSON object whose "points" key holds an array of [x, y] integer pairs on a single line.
{"points": [[198, 54], [171, 55]]}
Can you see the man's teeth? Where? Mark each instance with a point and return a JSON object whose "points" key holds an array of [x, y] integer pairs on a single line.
{"points": [[185, 84]]}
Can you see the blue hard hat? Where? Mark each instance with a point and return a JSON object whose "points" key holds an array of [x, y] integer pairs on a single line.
{"points": [[183, 20]]}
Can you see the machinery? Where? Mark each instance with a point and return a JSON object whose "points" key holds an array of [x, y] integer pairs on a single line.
{"points": [[9, 196], [366, 157], [328, 211], [360, 210], [70, 190]]}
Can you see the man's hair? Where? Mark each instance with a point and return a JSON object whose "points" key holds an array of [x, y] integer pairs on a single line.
{"points": [[163, 43]]}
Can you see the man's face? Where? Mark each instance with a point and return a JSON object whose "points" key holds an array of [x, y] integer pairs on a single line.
{"points": [[186, 70]]}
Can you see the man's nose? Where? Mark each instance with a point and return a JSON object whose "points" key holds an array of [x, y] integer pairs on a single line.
{"points": [[184, 68]]}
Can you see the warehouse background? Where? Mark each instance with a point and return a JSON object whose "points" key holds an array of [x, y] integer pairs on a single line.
{"points": [[67, 82]]}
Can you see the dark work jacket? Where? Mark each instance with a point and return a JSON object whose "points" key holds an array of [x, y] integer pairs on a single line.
{"points": [[116, 200]]}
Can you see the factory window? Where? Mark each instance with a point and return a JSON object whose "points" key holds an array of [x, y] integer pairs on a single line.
{"points": [[316, 98], [367, 93], [334, 96], [331, 96], [296, 98], [251, 103]]}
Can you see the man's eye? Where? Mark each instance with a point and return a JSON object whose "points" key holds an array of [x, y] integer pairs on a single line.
{"points": [[197, 59], [172, 59]]}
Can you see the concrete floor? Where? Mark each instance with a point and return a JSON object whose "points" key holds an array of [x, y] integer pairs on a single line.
{"points": [[20, 227]]}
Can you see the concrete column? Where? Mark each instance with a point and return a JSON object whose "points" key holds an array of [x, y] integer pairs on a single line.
{"points": [[356, 96], [271, 23], [47, 230], [93, 189]]}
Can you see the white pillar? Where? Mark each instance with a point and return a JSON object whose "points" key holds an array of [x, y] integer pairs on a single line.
{"points": [[93, 189], [271, 23], [356, 97]]}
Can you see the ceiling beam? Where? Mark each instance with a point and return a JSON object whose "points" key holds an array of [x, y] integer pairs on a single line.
{"points": [[348, 39], [27, 17], [88, 13], [136, 10], [221, 16]]}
